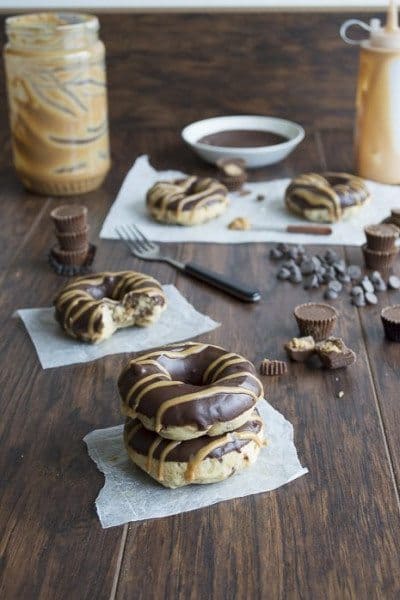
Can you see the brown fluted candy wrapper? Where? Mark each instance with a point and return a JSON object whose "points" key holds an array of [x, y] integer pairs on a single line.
{"points": [[379, 261], [390, 317], [273, 367], [70, 257], [381, 237], [73, 241], [72, 270], [316, 319], [69, 218], [300, 349]]}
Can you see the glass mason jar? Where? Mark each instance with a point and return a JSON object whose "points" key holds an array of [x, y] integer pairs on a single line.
{"points": [[57, 99]]}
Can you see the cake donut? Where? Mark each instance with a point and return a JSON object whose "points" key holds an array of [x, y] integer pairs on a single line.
{"points": [[326, 198], [201, 460], [190, 201], [189, 390], [91, 308]]}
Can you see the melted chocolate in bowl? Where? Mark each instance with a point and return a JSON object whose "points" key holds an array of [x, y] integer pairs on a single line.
{"points": [[243, 138]]}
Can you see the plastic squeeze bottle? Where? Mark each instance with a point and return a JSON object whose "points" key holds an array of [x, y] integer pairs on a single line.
{"points": [[377, 127]]}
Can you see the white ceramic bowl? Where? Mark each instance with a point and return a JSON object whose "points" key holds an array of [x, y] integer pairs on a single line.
{"points": [[254, 157]]}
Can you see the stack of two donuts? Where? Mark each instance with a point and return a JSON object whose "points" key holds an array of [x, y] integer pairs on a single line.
{"points": [[191, 415]]}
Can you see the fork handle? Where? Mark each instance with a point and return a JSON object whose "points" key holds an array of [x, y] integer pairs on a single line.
{"points": [[234, 288]]}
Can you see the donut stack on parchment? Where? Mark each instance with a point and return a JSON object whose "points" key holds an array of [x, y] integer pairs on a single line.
{"points": [[191, 415]]}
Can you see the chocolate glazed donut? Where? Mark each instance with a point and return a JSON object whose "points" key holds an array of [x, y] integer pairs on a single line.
{"points": [[328, 197], [189, 390], [201, 460], [188, 201], [93, 307]]}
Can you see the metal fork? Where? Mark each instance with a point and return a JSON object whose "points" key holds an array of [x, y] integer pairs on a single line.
{"points": [[143, 248]]}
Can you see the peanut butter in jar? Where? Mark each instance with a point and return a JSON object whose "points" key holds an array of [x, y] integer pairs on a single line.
{"points": [[57, 98]]}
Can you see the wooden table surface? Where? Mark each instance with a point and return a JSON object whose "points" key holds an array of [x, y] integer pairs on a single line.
{"points": [[332, 533]]}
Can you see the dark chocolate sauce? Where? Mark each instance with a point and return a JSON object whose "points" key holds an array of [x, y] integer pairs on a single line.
{"points": [[243, 138]]}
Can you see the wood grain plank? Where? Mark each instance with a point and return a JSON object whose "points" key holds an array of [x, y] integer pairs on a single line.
{"points": [[383, 356], [52, 544]]}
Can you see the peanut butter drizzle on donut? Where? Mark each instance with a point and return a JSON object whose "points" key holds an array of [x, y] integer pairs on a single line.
{"points": [[192, 190], [149, 461], [163, 456], [196, 396], [141, 382], [316, 192], [203, 453], [73, 295]]}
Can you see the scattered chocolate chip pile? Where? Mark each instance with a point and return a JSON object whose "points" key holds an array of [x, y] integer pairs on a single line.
{"points": [[331, 272]]}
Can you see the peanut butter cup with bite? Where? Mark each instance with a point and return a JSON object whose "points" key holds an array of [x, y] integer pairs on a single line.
{"points": [[300, 349], [334, 354], [316, 319]]}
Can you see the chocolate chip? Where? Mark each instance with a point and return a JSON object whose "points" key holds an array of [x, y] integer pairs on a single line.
{"points": [[357, 290], [367, 285], [330, 294], [283, 273], [371, 298], [275, 254], [331, 256], [317, 263], [296, 276], [354, 272], [394, 282], [312, 281], [344, 278], [307, 267], [340, 267], [300, 249], [260, 197], [283, 247], [358, 300], [379, 285], [375, 276], [336, 286]]}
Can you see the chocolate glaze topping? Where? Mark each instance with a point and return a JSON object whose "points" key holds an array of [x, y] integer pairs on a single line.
{"points": [[243, 138], [190, 384]]}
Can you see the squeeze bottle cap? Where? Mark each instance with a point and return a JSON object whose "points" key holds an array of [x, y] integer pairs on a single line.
{"points": [[385, 37]]}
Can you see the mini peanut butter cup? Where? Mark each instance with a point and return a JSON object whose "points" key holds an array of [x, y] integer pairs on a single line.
{"points": [[390, 317], [233, 173], [381, 237], [70, 257], [300, 349], [73, 241], [69, 218], [379, 261], [316, 319]]}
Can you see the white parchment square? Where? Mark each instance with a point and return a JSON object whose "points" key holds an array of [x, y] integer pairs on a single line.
{"points": [[129, 494], [180, 321], [129, 207]]}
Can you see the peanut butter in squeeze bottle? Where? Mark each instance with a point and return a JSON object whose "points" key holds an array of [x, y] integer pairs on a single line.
{"points": [[377, 127]]}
